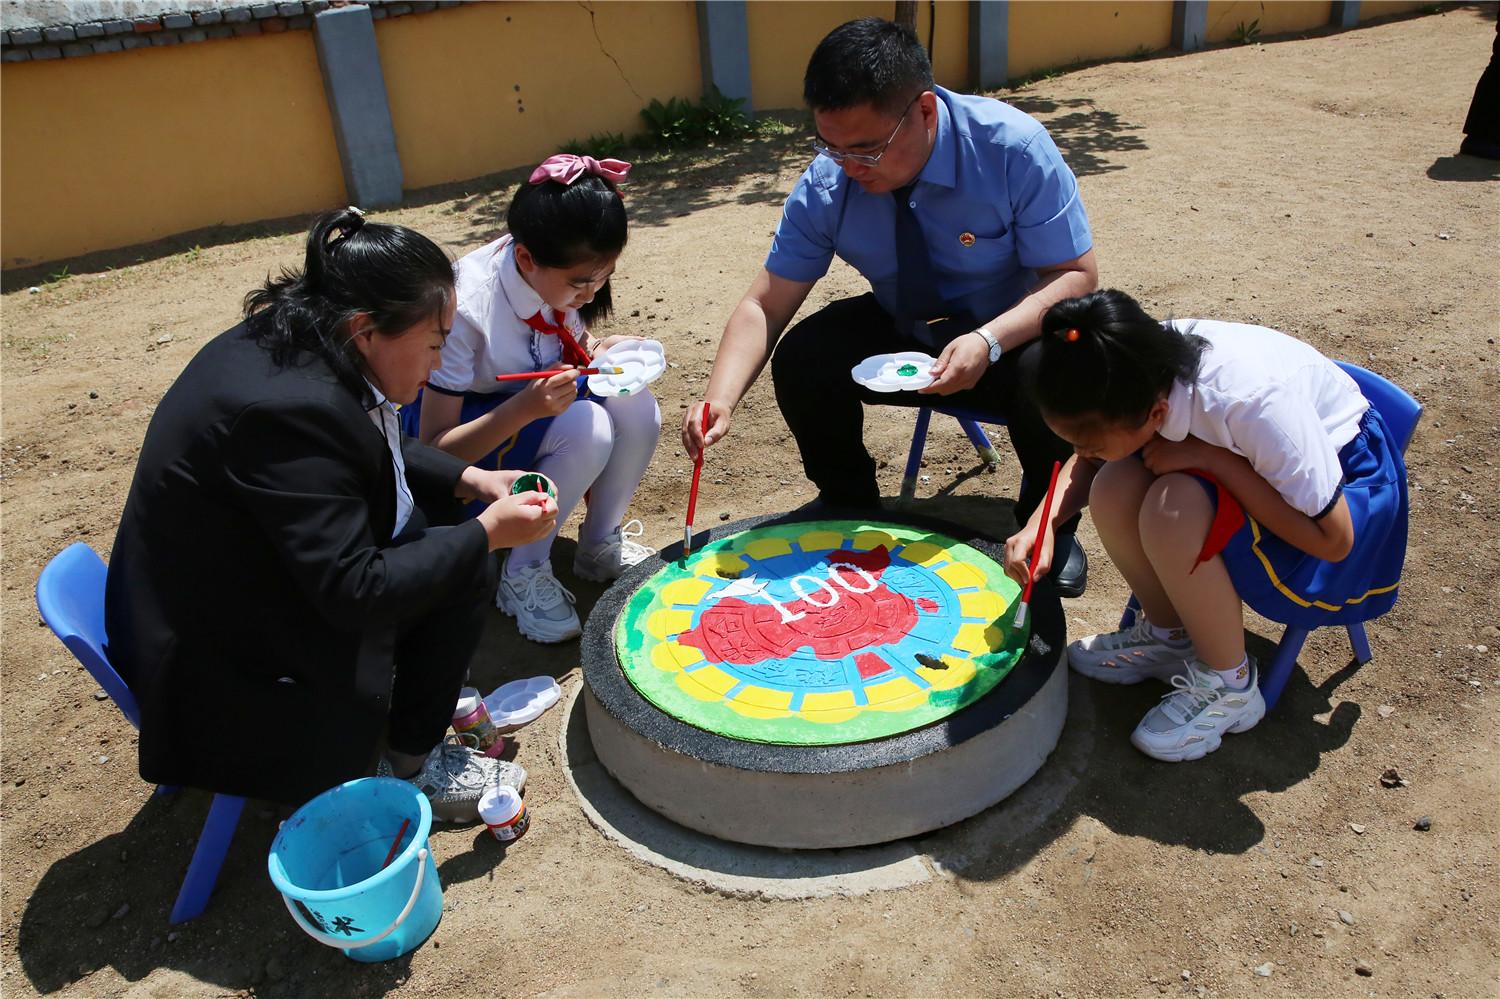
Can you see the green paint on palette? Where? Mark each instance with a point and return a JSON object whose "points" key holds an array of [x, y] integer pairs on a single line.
{"points": [[906, 370]]}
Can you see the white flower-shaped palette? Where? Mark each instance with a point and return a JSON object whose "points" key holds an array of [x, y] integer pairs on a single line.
{"points": [[644, 362], [521, 702], [904, 371]]}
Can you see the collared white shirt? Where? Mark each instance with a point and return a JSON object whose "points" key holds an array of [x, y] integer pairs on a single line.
{"points": [[383, 415], [1273, 400], [490, 336]]}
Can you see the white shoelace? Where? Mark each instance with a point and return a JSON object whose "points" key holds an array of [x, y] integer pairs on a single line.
{"points": [[630, 551], [1192, 691], [1137, 634], [540, 590]]}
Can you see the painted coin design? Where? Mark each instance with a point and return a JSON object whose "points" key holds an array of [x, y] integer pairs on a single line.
{"points": [[820, 632]]}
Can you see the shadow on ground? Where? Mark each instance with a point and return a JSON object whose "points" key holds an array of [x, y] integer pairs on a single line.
{"points": [[1463, 168], [1087, 135], [70, 928], [76, 922]]}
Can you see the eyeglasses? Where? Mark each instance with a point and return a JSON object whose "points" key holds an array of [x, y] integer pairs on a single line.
{"points": [[864, 159]]}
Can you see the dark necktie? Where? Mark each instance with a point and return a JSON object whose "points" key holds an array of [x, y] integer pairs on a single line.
{"points": [[571, 352], [917, 298]]}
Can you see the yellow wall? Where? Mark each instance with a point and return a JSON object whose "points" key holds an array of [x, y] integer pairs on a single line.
{"points": [[110, 150], [784, 34], [1370, 9], [1044, 35], [1275, 16], [950, 50], [113, 150], [453, 79], [782, 37]]}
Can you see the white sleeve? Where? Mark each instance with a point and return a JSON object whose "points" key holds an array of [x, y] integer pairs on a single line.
{"points": [[461, 352], [1284, 440]]}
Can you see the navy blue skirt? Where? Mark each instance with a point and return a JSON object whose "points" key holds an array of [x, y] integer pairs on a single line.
{"points": [[1285, 584], [518, 451]]}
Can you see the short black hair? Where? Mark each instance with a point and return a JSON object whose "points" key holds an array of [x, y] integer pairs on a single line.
{"points": [[867, 61], [1104, 358]]}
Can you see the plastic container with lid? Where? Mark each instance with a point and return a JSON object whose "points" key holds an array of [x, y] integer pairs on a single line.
{"points": [[504, 812]]}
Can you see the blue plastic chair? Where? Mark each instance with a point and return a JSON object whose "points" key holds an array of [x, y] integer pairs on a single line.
{"points": [[70, 596], [970, 421], [1401, 413]]}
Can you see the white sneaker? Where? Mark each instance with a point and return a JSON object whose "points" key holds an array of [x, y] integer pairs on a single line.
{"points": [[542, 607], [1129, 655], [1191, 721], [608, 559], [454, 777]]}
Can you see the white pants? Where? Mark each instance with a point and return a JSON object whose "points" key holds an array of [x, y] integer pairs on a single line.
{"points": [[601, 448]]}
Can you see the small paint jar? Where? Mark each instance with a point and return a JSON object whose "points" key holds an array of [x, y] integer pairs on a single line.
{"points": [[534, 482], [472, 718], [504, 813]]}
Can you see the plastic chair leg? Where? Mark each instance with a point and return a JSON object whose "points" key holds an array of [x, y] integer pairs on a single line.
{"points": [[1274, 677], [914, 456], [1132, 607], [1359, 642], [208, 857], [981, 442]]}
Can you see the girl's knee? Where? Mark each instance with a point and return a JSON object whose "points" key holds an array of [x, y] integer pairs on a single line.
{"points": [[1176, 509], [1118, 489], [583, 430], [634, 415]]}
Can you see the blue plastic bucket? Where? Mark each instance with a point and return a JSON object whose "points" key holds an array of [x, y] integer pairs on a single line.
{"points": [[327, 863]]}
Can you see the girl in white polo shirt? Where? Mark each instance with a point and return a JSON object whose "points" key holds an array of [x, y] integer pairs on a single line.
{"points": [[524, 304], [1224, 464]]}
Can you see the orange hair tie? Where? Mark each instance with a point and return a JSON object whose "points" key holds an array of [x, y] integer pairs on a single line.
{"points": [[1071, 336]]}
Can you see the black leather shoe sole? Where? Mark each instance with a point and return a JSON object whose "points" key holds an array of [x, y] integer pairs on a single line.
{"points": [[1070, 568]]}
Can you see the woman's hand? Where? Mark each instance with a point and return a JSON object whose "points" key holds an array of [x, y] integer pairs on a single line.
{"points": [[519, 520], [1018, 549], [959, 366], [602, 345], [1161, 456], [550, 396], [485, 485], [694, 440]]}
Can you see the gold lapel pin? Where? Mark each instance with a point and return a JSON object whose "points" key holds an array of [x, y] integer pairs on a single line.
{"points": [[966, 238]]}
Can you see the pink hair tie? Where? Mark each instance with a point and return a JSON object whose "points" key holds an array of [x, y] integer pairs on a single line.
{"points": [[565, 168]]}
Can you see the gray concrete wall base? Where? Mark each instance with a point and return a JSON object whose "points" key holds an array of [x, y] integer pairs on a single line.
{"points": [[1190, 24], [355, 87], [724, 48], [989, 43], [841, 809]]}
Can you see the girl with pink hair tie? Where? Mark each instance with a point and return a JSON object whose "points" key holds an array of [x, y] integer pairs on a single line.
{"points": [[525, 302]]}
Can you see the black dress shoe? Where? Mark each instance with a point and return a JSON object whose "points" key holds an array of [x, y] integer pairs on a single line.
{"points": [[1070, 567], [1472, 145]]}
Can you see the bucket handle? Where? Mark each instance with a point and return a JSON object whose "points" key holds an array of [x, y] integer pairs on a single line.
{"points": [[343, 944]]}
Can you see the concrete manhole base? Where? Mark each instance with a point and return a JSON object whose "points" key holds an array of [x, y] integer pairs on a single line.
{"points": [[837, 795], [740, 870]]}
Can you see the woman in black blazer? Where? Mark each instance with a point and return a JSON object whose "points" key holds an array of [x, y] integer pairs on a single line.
{"points": [[292, 585]]}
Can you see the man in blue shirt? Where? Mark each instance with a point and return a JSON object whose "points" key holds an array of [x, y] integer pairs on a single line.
{"points": [[962, 215]]}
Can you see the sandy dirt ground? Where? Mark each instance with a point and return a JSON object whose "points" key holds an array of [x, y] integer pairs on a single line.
{"points": [[1308, 184]]}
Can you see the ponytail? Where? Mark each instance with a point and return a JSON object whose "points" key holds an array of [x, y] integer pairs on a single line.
{"points": [[393, 274], [1103, 356]]}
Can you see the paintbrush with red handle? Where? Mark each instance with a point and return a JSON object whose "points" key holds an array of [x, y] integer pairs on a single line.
{"points": [[1036, 547], [523, 376], [687, 527], [396, 845]]}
